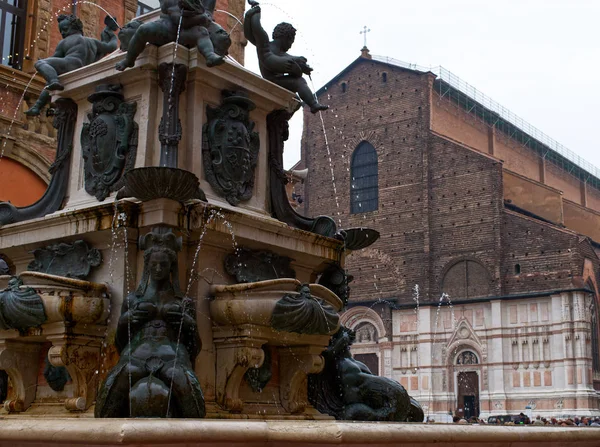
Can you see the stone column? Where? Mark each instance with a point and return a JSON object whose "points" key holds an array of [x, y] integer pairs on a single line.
{"points": [[497, 357], [172, 79]]}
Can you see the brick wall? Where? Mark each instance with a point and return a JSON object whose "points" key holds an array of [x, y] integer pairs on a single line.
{"points": [[236, 8], [458, 124], [549, 257], [439, 202], [465, 210], [393, 117]]}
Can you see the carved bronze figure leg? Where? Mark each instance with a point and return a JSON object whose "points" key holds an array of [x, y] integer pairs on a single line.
{"points": [[42, 101], [157, 33], [300, 86], [186, 389], [51, 67], [113, 398], [206, 48]]}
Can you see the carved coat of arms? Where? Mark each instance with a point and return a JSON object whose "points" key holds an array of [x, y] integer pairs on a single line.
{"points": [[230, 147], [108, 141]]}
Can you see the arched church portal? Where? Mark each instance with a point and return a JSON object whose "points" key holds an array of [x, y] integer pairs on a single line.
{"points": [[467, 384]]}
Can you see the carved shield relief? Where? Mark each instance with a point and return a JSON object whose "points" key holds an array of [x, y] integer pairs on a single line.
{"points": [[230, 148], [108, 141]]}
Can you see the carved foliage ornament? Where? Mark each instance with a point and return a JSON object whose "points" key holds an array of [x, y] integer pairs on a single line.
{"points": [[230, 149], [108, 141]]}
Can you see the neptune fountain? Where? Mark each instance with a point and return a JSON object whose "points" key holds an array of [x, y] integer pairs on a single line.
{"points": [[165, 275], [171, 278]]}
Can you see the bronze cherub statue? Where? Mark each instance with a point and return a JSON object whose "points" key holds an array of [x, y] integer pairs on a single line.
{"points": [[276, 65], [72, 52], [190, 21]]}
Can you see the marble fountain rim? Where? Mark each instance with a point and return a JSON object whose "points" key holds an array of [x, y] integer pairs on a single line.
{"points": [[26, 431], [41, 281], [286, 285]]}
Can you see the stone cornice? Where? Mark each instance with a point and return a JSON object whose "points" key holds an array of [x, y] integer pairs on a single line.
{"points": [[18, 80], [267, 96], [247, 226]]}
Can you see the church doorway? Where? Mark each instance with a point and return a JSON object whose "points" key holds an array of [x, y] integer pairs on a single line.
{"points": [[468, 394], [371, 360]]}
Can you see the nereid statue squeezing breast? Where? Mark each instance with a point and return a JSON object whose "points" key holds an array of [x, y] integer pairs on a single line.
{"points": [[158, 340]]}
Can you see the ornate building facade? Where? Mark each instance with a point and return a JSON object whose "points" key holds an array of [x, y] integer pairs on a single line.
{"points": [[28, 32], [481, 296]]}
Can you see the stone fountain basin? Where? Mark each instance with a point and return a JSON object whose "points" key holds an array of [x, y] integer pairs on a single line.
{"points": [[67, 299], [254, 303]]}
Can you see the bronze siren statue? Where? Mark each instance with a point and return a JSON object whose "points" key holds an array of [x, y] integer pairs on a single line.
{"points": [[276, 65], [190, 21], [158, 340], [347, 390], [72, 52]]}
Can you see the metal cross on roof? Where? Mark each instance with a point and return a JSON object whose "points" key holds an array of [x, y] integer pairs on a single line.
{"points": [[365, 31]]}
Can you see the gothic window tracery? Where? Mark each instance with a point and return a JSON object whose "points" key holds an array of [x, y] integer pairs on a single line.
{"points": [[364, 184]]}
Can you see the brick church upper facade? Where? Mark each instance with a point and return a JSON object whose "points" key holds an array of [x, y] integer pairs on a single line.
{"points": [[465, 207]]}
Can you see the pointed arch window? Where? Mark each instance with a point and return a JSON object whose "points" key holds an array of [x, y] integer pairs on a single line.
{"points": [[364, 179]]}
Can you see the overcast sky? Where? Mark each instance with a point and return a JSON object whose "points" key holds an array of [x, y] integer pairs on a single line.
{"points": [[538, 58]]}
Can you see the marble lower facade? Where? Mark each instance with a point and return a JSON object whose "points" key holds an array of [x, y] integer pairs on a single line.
{"points": [[491, 357]]}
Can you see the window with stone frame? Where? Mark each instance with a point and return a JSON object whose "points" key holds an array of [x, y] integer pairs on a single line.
{"points": [[364, 184], [12, 32], [143, 8]]}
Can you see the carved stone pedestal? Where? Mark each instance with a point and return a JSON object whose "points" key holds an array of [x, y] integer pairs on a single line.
{"points": [[19, 360], [242, 348], [75, 323], [248, 321], [80, 354], [295, 363], [235, 355]]}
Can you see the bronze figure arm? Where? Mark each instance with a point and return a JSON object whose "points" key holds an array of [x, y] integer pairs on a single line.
{"points": [[253, 30]]}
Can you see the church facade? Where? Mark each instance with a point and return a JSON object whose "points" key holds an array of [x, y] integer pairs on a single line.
{"points": [[481, 296]]}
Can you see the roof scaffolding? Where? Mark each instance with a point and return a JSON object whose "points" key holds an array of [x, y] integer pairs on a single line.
{"points": [[464, 95]]}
